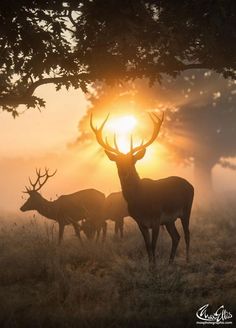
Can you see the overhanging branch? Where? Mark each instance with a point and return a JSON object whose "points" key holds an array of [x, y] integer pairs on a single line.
{"points": [[15, 98], [55, 80]]}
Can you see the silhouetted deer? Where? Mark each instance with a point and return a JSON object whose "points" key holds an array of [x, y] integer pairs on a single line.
{"points": [[151, 202], [116, 210], [67, 209], [92, 228]]}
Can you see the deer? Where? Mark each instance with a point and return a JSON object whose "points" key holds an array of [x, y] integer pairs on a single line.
{"points": [[67, 209], [92, 228], [116, 210], [151, 203]]}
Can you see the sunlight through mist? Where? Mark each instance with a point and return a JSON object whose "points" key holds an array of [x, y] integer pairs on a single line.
{"points": [[122, 127]]}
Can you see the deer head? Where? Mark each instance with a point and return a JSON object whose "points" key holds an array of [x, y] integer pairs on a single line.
{"points": [[126, 162], [34, 196]]}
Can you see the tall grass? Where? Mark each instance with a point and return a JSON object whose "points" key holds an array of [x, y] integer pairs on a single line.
{"points": [[110, 285]]}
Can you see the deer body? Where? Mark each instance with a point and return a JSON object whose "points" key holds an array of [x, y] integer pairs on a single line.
{"points": [[151, 203], [116, 209], [67, 209], [164, 200]]}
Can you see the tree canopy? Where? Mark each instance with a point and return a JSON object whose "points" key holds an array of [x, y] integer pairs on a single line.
{"points": [[74, 43]]}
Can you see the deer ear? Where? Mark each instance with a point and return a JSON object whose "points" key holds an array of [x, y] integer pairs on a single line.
{"points": [[139, 155], [111, 156]]}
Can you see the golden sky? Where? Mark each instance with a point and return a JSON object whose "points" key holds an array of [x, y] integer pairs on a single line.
{"points": [[35, 132], [39, 139]]}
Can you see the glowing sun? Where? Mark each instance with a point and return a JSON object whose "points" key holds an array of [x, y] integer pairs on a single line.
{"points": [[123, 124], [122, 127]]}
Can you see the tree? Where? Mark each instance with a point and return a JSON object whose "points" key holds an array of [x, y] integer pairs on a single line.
{"points": [[199, 128], [74, 43], [209, 126], [36, 45]]}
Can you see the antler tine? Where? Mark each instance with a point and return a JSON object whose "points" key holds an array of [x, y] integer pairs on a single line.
{"points": [[38, 173], [106, 141], [101, 126], [115, 143], [98, 134], [91, 123], [157, 117], [157, 126], [46, 175], [39, 176], [32, 184], [27, 190], [51, 175], [131, 143]]}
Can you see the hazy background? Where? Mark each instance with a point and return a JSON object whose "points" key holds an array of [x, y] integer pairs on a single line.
{"points": [[39, 139]]}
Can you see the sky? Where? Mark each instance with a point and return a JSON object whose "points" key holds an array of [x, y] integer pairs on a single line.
{"points": [[35, 132]]}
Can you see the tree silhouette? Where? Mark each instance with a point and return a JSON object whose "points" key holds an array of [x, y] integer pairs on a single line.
{"points": [[209, 126], [73, 43]]}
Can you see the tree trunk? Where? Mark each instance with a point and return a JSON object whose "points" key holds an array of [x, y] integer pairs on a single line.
{"points": [[203, 179]]}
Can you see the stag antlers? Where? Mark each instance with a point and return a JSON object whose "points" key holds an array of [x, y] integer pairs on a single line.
{"points": [[98, 133], [45, 175]]}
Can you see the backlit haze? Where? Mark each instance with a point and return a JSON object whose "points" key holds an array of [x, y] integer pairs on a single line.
{"points": [[39, 139]]}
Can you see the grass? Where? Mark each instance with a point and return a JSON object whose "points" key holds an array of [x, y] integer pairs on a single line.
{"points": [[110, 285]]}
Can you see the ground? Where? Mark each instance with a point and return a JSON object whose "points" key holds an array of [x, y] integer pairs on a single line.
{"points": [[110, 285]]}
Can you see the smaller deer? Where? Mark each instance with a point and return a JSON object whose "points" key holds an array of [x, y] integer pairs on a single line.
{"points": [[116, 210], [93, 228], [67, 209]]}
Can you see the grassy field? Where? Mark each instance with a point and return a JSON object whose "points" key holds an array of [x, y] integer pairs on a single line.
{"points": [[110, 285]]}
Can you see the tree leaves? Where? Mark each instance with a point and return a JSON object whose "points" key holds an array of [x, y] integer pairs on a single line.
{"points": [[110, 41]]}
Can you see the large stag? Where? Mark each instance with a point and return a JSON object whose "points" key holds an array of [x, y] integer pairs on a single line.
{"points": [[151, 202], [67, 209]]}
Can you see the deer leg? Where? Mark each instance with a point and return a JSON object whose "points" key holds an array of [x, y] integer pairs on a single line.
{"points": [[77, 230], [146, 236], [61, 231], [116, 228], [171, 228], [98, 234], [155, 232], [186, 236], [122, 228], [104, 231]]}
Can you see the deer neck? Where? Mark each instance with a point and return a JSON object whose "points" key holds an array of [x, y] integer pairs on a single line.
{"points": [[130, 184], [47, 208]]}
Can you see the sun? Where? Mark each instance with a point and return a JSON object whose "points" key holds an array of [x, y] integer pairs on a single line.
{"points": [[122, 127], [123, 124]]}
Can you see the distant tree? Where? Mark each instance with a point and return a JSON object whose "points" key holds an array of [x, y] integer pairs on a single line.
{"points": [[209, 130], [199, 128], [74, 43]]}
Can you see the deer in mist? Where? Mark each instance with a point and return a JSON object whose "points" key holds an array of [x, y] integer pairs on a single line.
{"points": [[151, 203], [115, 209], [67, 209]]}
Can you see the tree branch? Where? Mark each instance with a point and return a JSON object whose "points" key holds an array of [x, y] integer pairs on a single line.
{"points": [[14, 99], [194, 66], [55, 80]]}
